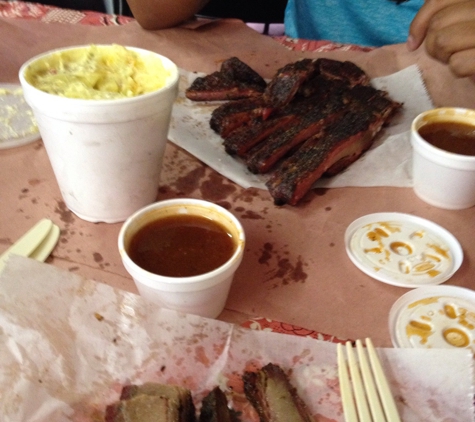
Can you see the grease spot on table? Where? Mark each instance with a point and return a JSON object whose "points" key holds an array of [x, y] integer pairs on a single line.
{"points": [[251, 215], [190, 182], [215, 189], [34, 182], [284, 270], [65, 215], [266, 253]]}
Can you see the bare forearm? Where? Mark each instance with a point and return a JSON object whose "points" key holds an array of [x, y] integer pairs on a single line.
{"points": [[159, 14]]}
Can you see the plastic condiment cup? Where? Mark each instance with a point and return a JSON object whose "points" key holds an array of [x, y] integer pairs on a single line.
{"points": [[203, 294], [441, 178], [106, 154]]}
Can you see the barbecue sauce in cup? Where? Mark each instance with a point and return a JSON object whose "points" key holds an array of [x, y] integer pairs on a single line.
{"points": [[455, 137], [181, 246]]}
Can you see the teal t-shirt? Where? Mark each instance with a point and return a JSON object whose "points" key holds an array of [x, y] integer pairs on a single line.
{"points": [[367, 22]]}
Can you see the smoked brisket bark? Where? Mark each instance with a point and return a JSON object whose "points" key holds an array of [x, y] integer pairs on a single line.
{"points": [[346, 71], [342, 143], [327, 107], [234, 114], [274, 398], [266, 154], [285, 84], [241, 140], [233, 81], [214, 408], [151, 402]]}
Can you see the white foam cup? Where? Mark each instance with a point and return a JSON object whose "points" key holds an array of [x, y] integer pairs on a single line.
{"points": [[106, 154], [203, 294], [441, 178]]}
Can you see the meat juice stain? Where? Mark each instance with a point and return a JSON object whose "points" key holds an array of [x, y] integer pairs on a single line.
{"points": [[225, 204], [65, 215], [251, 215], [191, 181], [214, 189], [266, 254], [286, 271], [248, 195]]}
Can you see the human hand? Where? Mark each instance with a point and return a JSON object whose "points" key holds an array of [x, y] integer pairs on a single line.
{"points": [[448, 29]]}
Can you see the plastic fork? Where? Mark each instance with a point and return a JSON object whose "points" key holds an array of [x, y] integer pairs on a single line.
{"points": [[365, 391]]}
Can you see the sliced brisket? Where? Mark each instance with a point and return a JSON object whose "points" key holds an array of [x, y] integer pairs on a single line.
{"points": [[233, 81], [314, 118], [266, 154], [274, 398], [285, 84], [344, 71], [234, 114], [341, 144]]}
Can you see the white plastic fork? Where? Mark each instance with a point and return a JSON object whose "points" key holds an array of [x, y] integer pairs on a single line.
{"points": [[365, 386]]}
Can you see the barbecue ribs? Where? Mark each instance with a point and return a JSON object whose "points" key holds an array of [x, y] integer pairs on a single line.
{"points": [[314, 118]]}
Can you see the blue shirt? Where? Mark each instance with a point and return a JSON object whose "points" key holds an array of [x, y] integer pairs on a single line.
{"points": [[366, 22]]}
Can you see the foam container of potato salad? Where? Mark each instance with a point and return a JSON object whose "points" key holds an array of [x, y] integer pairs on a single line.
{"points": [[106, 153]]}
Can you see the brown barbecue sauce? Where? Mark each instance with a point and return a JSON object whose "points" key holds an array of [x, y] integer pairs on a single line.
{"points": [[181, 246], [455, 137]]}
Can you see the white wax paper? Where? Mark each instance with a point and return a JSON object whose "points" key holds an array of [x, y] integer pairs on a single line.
{"points": [[387, 163], [70, 344]]}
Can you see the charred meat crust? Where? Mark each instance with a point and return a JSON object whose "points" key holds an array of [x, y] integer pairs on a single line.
{"points": [[215, 408], [235, 80], [341, 144], [305, 125], [233, 114], [151, 402], [273, 397]]}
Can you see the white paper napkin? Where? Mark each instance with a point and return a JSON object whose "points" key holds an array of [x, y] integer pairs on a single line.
{"points": [[68, 345]]}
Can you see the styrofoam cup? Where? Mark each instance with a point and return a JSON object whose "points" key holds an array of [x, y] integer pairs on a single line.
{"points": [[441, 178], [106, 154], [203, 294]]}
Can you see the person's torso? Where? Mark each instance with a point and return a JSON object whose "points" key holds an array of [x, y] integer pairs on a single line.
{"points": [[367, 22]]}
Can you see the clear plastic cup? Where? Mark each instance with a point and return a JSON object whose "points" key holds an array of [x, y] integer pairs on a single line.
{"points": [[106, 154], [441, 178], [203, 294]]}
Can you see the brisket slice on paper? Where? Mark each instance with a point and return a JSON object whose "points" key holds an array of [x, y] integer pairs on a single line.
{"points": [[152, 402], [344, 71], [341, 144], [303, 76], [241, 140], [233, 81], [267, 153], [214, 408], [314, 118], [285, 84], [274, 398], [231, 115]]}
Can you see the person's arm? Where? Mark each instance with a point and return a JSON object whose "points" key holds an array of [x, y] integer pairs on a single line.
{"points": [[448, 29], [160, 14]]}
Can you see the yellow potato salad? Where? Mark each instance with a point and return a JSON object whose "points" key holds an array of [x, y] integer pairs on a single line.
{"points": [[98, 72]]}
